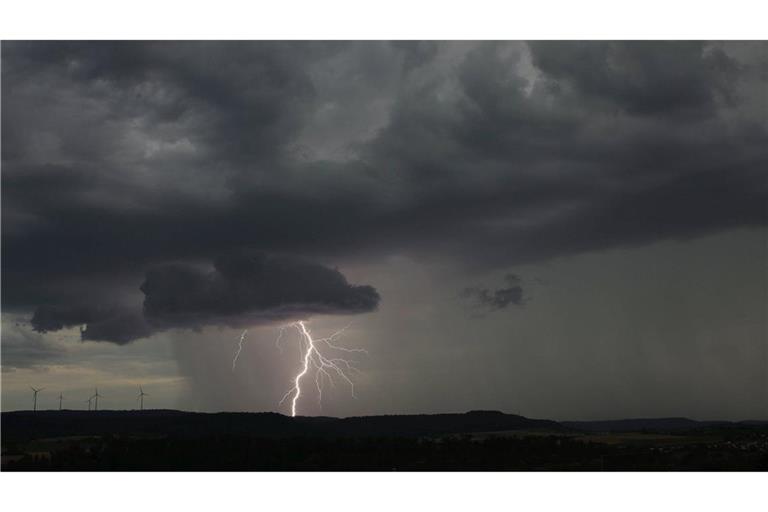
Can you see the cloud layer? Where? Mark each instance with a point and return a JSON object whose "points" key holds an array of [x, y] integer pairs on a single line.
{"points": [[247, 289], [242, 290], [123, 157]]}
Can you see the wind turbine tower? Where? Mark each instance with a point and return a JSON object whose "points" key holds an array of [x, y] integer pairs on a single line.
{"points": [[96, 403], [35, 391], [61, 398], [140, 398]]}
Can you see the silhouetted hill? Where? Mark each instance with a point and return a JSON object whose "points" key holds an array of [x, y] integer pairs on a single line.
{"points": [[640, 424], [435, 424], [166, 440], [25, 425]]}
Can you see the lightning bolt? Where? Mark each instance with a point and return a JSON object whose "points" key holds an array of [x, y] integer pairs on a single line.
{"points": [[239, 349], [324, 367]]}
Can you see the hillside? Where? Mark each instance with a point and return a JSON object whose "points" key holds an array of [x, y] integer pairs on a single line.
{"points": [[26, 425]]}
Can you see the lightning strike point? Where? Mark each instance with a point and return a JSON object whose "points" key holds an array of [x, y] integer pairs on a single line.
{"points": [[324, 367]]}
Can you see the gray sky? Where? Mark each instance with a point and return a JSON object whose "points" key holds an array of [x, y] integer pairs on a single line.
{"points": [[565, 230]]}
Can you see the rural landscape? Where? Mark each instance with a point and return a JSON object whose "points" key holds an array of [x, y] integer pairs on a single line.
{"points": [[166, 440]]}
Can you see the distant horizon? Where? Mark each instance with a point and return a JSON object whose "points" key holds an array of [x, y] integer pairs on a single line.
{"points": [[570, 420]]}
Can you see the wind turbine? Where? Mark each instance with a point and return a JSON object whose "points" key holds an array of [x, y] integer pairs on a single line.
{"points": [[96, 396], [61, 397], [89, 402], [140, 398], [36, 391]]}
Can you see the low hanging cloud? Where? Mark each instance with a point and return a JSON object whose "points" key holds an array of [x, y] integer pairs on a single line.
{"points": [[242, 289], [500, 298], [118, 324], [247, 289]]}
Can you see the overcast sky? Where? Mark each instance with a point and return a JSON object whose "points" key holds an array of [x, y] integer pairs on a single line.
{"points": [[571, 230]]}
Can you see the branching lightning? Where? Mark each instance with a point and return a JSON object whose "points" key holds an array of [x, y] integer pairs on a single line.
{"points": [[323, 366], [239, 349]]}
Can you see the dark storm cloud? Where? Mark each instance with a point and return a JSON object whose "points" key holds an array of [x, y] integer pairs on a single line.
{"points": [[645, 77], [246, 289], [513, 167], [500, 298], [242, 289], [54, 318], [118, 157], [118, 324]]}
